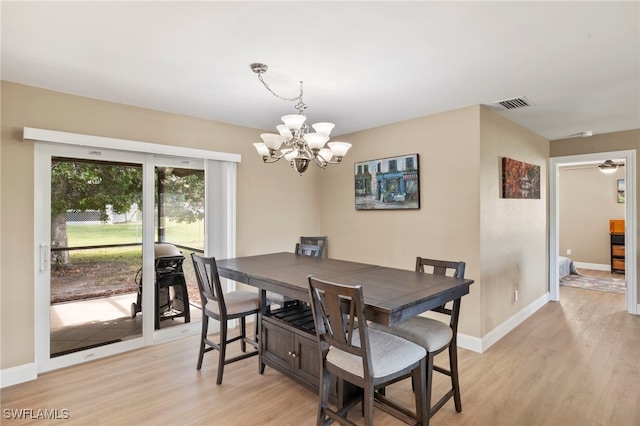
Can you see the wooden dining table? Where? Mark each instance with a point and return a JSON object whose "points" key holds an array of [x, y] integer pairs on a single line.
{"points": [[288, 342], [391, 295]]}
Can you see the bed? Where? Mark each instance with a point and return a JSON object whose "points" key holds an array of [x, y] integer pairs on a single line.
{"points": [[566, 267]]}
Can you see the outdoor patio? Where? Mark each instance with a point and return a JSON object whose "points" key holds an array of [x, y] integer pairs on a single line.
{"points": [[94, 322]]}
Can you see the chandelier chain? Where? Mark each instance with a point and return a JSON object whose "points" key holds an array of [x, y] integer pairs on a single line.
{"points": [[297, 98]]}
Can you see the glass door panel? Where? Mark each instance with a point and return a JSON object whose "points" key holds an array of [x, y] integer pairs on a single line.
{"points": [[96, 253], [180, 209]]}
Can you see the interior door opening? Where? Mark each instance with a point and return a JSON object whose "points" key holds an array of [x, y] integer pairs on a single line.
{"points": [[630, 209], [589, 201]]}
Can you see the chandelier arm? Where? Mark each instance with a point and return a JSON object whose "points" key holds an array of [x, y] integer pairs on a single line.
{"points": [[320, 163], [269, 160]]}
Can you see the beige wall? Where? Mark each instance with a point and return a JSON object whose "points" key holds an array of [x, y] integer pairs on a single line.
{"points": [[268, 219], [588, 200], [461, 217], [447, 224], [513, 232], [616, 141], [504, 242]]}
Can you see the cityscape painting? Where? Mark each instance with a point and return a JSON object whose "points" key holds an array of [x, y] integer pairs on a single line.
{"points": [[388, 183]]}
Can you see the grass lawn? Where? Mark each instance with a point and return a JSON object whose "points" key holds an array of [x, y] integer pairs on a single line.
{"points": [[188, 234], [108, 271]]}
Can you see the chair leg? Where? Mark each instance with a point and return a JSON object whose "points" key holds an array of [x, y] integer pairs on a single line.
{"points": [[428, 384], [243, 334], [453, 365], [223, 351], [419, 379], [203, 335], [367, 404], [325, 383], [255, 328]]}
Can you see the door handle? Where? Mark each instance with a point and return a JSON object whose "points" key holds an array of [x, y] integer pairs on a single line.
{"points": [[45, 257]]}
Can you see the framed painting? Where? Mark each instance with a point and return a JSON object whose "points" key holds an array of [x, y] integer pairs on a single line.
{"points": [[621, 190], [388, 183], [520, 180]]}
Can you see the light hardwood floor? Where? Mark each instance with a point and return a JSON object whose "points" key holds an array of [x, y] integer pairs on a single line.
{"points": [[574, 362]]}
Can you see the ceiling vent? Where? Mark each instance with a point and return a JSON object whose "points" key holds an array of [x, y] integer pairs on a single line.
{"points": [[514, 103]]}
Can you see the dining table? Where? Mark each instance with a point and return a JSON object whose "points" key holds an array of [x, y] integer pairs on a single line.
{"points": [[391, 295], [287, 336]]}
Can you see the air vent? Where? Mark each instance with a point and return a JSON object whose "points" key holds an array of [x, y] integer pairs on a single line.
{"points": [[514, 103]]}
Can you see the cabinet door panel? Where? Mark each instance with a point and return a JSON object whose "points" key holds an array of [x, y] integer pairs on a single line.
{"points": [[276, 344], [307, 362]]}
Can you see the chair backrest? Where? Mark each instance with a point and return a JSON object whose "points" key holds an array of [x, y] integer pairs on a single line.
{"points": [[440, 267], [209, 282], [309, 250], [338, 314], [316, 241]]}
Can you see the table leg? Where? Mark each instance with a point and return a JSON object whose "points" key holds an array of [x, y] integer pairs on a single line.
{"points": [[264, 309]]}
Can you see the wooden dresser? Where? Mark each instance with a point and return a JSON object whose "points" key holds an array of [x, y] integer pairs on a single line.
{"points": [[616, 232]]}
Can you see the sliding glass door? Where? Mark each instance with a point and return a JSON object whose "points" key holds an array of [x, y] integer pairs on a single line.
{"points": [[114, 234]]}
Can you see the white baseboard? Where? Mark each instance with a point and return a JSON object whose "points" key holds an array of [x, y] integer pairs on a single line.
{"points": [[470, 343], [480, 345], [593, 266], [14, 375]]}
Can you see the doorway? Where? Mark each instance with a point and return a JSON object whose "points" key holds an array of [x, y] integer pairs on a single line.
{"points": [[630, 209]]}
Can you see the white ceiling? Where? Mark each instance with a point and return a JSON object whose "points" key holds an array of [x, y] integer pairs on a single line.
{"points": [[364, 64]]}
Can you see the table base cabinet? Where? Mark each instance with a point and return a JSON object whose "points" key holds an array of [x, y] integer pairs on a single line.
{"points": [[289, 344]]}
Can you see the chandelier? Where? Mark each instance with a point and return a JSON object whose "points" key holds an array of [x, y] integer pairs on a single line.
{"points": [[295, 141]]}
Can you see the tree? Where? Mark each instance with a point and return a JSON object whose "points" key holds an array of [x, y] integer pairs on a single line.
{"points": [[183, 194], [88, 185], [78, 185]]}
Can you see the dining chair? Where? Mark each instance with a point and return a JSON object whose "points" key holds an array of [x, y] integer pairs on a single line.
{"points": [[316, 241], [309, 250], [223, 307], [367, 359], [435, 336], [301, 249]]}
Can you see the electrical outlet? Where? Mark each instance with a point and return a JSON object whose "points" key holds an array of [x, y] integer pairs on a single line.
{"points": [[515, 295], [568, 251]]}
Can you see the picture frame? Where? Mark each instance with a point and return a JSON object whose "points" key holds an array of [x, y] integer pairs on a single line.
{"points": [[621, 188], [520, 180], [391, 183]]}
